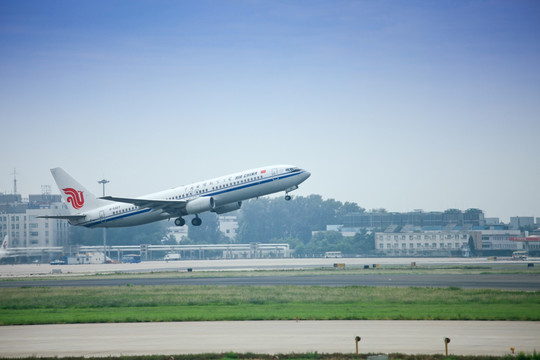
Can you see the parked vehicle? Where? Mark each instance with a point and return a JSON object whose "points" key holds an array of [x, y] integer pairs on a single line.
{"points": [[131, 258], [171, 257]]}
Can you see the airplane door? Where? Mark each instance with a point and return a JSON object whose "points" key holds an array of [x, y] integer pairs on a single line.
{"points": [[274, 173], [102, 214]]}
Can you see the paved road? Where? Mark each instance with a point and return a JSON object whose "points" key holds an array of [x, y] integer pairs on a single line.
{"points": [[504, 281], [270, 337]]}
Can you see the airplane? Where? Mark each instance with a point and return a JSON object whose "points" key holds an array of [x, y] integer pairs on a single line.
{"points": [[5, 251], [219, 195], [12, 252]]}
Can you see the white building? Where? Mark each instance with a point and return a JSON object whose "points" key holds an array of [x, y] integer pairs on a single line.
{"points": [[178, 232], [86, 258], [228, 225], [433, 242], [500, 240], [257, 251], [492, 221], [26, 230]]}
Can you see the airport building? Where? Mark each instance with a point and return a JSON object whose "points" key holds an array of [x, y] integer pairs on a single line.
{"points": [[257, 251], [412, 240], [493, 221], [499, 239], [19, 220], [529, 242], [519, 222], [451, 240], [12, 203], [382, 220], [25, 229]]}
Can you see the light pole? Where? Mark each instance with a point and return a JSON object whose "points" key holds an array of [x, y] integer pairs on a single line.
{"points": [[103, 182]]}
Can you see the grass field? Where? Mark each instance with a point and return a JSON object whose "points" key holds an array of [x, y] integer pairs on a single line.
{"points": [[44, 305]]}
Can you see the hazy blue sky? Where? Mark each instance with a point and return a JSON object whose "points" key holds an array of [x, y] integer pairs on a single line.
{"points": [[395, 104]]}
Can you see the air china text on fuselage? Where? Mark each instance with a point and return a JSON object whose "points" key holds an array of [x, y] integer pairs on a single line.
{"points": [[219, 195]]}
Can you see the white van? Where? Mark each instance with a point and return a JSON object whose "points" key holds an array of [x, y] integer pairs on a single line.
{"points": [[171, 257]]}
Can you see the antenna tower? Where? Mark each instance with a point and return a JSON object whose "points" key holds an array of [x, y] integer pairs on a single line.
{"points": [[14, 181]]}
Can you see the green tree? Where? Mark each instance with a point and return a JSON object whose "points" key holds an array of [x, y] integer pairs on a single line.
{"points": [[363, 242], [472, 247], [349, 208], [264, 219], [324, 241], [320, 243], [169, 240]]}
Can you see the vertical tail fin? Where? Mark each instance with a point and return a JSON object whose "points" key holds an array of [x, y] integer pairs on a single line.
{"points": [[78, 198], [4, 247]]}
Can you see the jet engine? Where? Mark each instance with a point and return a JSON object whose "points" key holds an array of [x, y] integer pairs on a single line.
{"points": [[228, 208], [200, 205]]}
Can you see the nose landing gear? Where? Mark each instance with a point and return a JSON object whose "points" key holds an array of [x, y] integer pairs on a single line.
{"points": [[287, 196]]}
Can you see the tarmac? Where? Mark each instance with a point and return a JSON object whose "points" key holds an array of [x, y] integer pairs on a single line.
{"points": [[39, 270], [270, 337]]}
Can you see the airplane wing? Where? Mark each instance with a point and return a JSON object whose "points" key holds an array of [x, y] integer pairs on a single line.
{"points": [[62, 217], [170, 206]]}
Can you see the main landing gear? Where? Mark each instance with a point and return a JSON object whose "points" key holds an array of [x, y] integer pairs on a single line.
{"points": [[196, 221]]}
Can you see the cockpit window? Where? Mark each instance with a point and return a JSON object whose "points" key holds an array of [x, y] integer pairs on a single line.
{"points": [[293, 169]]}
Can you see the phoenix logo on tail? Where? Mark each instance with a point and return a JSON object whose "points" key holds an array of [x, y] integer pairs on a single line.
{"points": [[74, 197]]}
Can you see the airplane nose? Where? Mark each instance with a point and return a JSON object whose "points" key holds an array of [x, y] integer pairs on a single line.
{"points": [[306, 175]]}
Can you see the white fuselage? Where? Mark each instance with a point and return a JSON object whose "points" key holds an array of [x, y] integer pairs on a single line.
{"points": [[225, 191]]}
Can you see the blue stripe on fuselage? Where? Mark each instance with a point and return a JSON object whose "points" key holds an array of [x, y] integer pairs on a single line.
{"points": [[115, 217]]}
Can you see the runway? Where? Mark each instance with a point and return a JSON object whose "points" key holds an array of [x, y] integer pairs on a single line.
{"points": [[269, 337], [37, 270], [201, 268], [472, 281]]}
